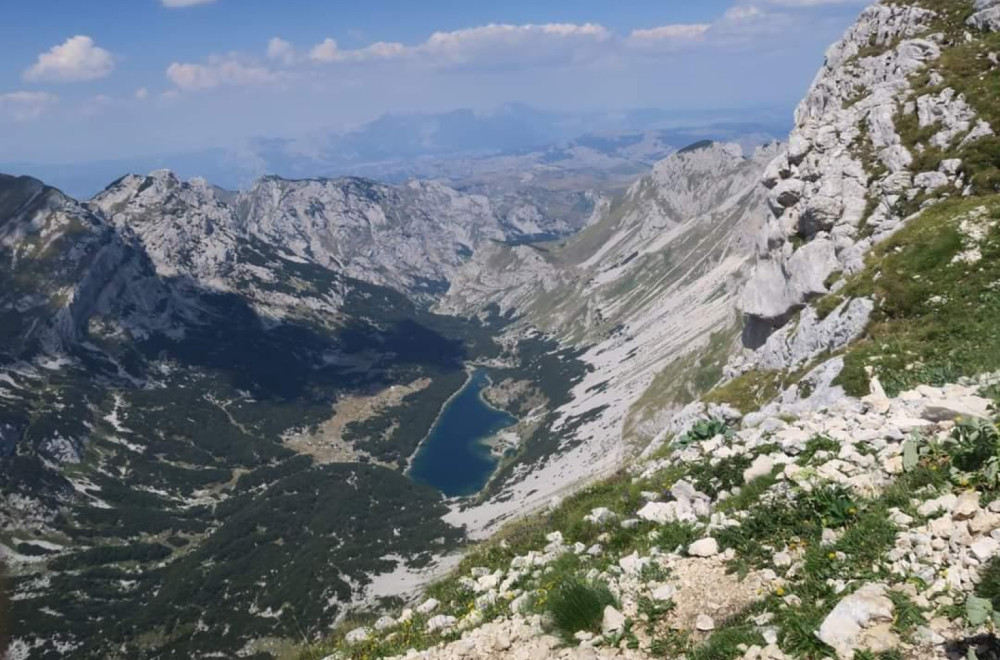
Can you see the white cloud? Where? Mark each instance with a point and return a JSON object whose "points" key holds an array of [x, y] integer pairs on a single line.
{"points": [[280, 50], [328, 51], [79, 58], [488, 45], [22, 106], [671, 32], [219, 71], [742, 13], [142, 94], [174, 4], [746, 25]]}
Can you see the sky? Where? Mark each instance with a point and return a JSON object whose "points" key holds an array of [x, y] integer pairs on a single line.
{"points": [[106, 79]]}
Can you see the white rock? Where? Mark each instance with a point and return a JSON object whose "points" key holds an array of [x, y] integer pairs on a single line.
{"points": [[761, 467], [440, 622], [384, 623], [704, 623], [357, 636], [613, 621], [842, 628], [428, 606], [985, 548], [782, 559], [664, 592], [967, 505], [601, 516], [706, 547], [944, 503]]}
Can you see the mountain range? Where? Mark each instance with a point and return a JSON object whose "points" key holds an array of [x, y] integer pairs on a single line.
{"points": [[209, 398]]}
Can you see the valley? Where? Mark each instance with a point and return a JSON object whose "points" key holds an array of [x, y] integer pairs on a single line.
{"points": [[618, 396]]}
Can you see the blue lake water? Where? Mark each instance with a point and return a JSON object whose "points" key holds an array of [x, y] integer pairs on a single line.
{"points": [[453, 458]]}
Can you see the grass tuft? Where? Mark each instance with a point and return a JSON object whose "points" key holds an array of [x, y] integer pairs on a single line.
{"points": [[576, 605]]}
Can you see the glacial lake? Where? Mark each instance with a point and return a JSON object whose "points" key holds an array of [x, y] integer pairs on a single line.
{"points": [[453, 458]]}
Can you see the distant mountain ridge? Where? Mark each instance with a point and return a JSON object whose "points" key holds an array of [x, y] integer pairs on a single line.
{"points": [[450, 145]]}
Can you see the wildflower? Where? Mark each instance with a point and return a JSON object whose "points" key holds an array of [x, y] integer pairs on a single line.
{"points": [[780, 591], [832, 555]]}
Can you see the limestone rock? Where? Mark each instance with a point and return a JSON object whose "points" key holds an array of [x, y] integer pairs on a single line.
{"points": [[843, 627], [706, 547], [761, 467], [987, 16], [613, 621]]}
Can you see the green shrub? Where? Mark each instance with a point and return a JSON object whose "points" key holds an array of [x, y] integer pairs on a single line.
{"points": [[833, 505], [704, 429], [577, 605], [675, 535], [730, 639], [815, 445], [749, 391], [907, 614], [989, 582], [976, 449]]}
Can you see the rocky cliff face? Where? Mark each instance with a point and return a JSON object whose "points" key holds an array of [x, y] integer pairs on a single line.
{"points": [[65, 267], [853, 162], [633, 252], [413, 237]]}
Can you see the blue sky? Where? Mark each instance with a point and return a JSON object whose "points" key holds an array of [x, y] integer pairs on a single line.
{"points": [[118, 78]]}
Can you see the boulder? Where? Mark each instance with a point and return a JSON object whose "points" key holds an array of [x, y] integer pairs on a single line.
{"points": [[706, 547], [761, 467], [613, 621], [987, 16], [441, 622], [428, 606], [844, 626], [704, 623]]}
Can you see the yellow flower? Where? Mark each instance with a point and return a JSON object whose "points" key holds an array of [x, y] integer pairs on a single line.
{"points": [[832, 555], [780, 591], [852, 511]]}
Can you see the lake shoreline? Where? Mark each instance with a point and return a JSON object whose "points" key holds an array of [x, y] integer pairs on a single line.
{"points": [[437, 419], [457, 455]]}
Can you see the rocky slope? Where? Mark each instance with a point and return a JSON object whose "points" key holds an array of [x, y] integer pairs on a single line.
{"points": [[839, 534], [411, 238], [64, 268], [889, 126], [651, 282], [830, 480]]}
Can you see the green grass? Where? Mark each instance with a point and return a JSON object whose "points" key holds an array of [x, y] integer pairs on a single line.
{"points": [[749, 391], [750, 493], [576, 605], [936, 320], [817, 444], [726, 641], [908, 615], [989, 583], [674, 535]]}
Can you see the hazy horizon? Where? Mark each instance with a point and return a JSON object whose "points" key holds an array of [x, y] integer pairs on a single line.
{"points": [[131, 78]]}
